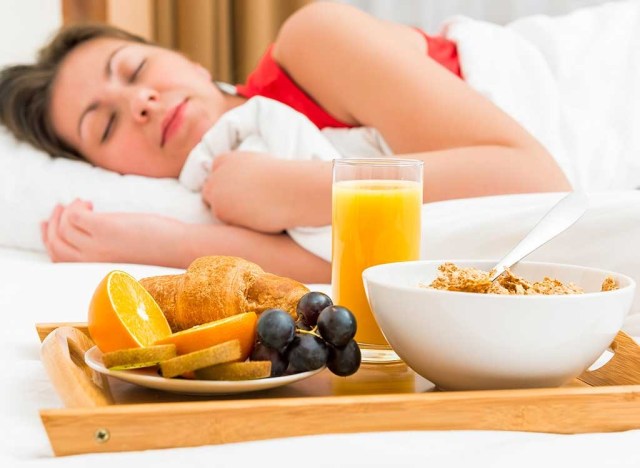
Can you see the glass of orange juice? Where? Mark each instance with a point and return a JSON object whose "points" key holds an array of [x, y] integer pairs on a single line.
{"points": [[376, 207]]}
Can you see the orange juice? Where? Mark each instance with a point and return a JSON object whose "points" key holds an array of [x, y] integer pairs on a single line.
{"points": [[374, 222]]}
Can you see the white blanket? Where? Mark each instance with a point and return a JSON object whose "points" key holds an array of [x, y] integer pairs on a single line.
{"points": [[259, 125], [573, 81]]}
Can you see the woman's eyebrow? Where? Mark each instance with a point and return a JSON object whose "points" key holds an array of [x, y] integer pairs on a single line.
{"points": [[108, 71]]}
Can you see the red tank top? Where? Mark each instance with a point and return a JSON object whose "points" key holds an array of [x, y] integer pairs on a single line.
{"points": [[270, 80]]}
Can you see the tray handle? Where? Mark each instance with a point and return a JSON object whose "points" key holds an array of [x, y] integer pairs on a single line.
{"points": [[77, 385], [622, 369]]}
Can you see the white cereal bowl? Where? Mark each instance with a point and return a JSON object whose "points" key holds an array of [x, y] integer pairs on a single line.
{"points": [[467, 341]]}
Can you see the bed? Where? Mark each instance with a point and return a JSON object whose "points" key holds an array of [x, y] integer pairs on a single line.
{"points": [[34, 290]]}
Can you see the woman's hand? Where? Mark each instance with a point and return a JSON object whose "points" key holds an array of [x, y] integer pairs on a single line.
{"points": [[76, 233], [242, 190], [267, 194]]}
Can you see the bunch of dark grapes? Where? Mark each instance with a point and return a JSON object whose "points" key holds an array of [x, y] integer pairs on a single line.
{"points": [[322, 335]]}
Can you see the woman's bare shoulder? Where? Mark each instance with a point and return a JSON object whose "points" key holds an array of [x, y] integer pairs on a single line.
{"points": [[314, 25], [312, 46]]}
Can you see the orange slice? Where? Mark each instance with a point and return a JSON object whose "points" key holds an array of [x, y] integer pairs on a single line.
{"points": [[241, 327], [122, 314]]}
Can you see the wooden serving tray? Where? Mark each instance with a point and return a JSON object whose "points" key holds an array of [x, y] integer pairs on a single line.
{"points": [[106, 415]]}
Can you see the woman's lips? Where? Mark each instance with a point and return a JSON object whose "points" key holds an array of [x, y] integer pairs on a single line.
{"points": [[172, 122]]}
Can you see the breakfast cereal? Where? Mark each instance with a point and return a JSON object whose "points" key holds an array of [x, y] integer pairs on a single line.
{"points": [[454, 278]]}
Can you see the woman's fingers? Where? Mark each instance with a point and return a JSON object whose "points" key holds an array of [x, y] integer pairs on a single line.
{"points": [[52, 233], [73, 227], [61, 236], [213, 176]]}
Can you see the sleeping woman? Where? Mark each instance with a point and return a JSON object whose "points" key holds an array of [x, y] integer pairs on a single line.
{"points": [[105, 96]]}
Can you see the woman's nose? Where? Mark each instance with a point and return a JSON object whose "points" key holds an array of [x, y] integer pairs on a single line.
{"points": [[143, 102]]}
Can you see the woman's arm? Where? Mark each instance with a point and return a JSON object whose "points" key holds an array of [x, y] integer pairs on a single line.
{"points": [[275, 253], [76, 233], [375, 73], [371, 72]]}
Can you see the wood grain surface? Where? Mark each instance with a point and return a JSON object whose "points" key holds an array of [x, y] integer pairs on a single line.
{"points": [[77, 385], [122, 416]]}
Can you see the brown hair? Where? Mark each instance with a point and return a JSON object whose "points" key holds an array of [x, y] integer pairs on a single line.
{"points": [[25, 90]]}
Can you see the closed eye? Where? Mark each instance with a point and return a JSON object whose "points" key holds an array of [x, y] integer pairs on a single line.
{"points": [[136, 72], [107, 130]]}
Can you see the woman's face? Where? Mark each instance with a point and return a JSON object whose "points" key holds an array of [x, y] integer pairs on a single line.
{"points": [[133, 108]]}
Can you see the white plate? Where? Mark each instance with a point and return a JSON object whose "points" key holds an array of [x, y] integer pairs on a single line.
{"points": [[150, 378]]}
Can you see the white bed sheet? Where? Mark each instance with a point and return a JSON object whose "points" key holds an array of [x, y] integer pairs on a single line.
{"points": [[34, 290]]}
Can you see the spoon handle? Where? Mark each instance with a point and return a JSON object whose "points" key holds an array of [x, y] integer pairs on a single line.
{"points": [[559, 218]]}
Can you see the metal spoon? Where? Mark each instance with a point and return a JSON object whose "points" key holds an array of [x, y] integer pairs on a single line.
{"points": [[559, 218]]}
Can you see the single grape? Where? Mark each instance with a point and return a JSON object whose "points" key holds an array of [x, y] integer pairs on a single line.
{"points": [[279, 362], [344, 361], [307, 352], [300, 325], [310, 305], [276, 329], [337, 325]]}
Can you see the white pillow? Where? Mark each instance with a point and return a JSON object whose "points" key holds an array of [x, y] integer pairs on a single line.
{"points": [[31, 183]]}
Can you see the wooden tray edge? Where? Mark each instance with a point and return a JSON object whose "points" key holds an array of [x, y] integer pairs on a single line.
{"points": [[187, 424], [93, 427]]}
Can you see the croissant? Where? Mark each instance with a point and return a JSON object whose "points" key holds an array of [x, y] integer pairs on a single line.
{"points": [[216, 287]]}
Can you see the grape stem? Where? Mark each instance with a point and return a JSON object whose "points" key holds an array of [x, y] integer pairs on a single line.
{"points": [[309, 332]]}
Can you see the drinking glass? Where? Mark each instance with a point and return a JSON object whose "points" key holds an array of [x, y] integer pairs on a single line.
{"points": [[376, 208]]}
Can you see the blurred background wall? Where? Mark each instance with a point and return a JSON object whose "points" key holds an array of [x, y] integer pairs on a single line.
{"points": [[429, 14], [24, 26], [226, 36], [229, 36]]}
